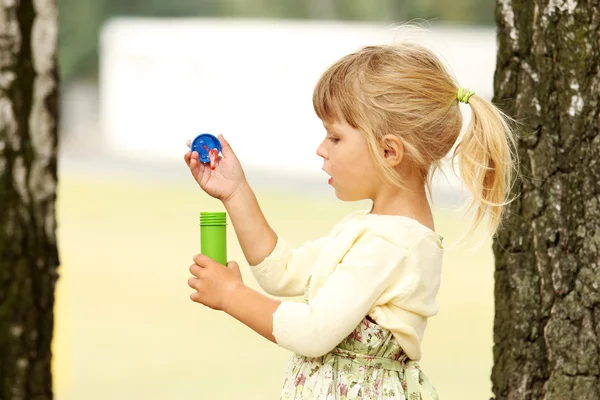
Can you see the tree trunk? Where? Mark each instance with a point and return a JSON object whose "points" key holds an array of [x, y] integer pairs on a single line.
{"points": [[28, 143], [547, 290]]}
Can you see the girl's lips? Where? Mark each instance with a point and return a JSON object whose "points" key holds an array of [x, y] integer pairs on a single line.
{"points": [[330, 180]]}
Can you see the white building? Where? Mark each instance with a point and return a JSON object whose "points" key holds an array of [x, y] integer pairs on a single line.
{"points": [[165, 81]]}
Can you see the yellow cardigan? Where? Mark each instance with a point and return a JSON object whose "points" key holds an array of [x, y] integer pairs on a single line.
{"points": [[387, 267]]}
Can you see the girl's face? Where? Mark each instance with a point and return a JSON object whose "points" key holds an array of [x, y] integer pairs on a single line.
{"points": [[346, 159]]}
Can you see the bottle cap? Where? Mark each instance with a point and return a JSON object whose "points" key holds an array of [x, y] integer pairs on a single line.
{"points": [[213, 218], [208, 140]]}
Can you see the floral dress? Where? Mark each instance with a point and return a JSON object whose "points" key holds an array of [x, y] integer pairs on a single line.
{"points": [[368, 364]]}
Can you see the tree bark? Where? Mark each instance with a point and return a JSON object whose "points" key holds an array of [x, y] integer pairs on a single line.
{"points": [[547, 278], [28, 146]]}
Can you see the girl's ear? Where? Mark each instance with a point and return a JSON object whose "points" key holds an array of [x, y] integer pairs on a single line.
{"points": [[393, 150]]}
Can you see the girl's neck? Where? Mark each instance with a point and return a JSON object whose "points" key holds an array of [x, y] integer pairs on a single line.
{"points": [[411, 203]]}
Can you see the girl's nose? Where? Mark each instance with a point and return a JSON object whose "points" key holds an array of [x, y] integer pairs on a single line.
{"points": [[321, 151]]}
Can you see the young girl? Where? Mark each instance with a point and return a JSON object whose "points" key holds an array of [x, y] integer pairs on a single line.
{"points": [[391, 114]]}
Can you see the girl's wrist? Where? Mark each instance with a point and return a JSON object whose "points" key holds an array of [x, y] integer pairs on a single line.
{"points": [[232, 295], [239, 193]]}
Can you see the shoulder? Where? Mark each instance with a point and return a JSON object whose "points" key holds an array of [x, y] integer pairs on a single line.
{"points": [[402, 232], [346, 221], [385, 235]]}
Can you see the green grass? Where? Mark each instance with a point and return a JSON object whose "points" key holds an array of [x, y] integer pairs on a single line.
{"points": [[126, 329]]}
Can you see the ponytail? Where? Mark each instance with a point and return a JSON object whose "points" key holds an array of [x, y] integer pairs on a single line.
{"points": [[486, 159]]}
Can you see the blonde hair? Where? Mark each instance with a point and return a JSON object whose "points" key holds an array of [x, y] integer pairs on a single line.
{"points": [[405, 90]]}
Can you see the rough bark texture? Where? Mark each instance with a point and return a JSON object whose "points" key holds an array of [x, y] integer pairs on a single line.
{"points": [[28, 142], [547, 323]]}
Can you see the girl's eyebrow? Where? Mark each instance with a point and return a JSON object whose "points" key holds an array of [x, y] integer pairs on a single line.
{"points": [[330, 128]]}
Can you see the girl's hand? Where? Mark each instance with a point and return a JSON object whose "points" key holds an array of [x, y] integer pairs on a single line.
{"points": [[213, 282], [221, 182]]}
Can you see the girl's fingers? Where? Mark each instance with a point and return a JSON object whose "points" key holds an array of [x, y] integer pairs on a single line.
{"points": [[193, 283], [187, 157], [188, 143], [197, 170], [225, 147], [193, 164], [195, 270]]}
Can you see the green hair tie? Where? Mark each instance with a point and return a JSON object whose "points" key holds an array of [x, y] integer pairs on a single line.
{"points": [[464, 95]]}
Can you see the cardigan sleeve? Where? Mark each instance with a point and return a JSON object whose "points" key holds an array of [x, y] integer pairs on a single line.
{"points": [[285, 271], [346, 297]]}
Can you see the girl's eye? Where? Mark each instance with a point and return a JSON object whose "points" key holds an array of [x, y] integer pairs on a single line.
{"points": [[333, 139]]}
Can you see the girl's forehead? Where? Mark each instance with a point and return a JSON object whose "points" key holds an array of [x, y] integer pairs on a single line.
{"points": [[332, 127], [338, 123]]}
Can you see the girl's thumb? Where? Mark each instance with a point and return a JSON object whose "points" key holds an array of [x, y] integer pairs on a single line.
{"points": [[232, 265], [225, 147]]}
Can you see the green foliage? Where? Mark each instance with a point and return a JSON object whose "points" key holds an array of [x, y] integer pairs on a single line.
{"points": [[80, 21]]}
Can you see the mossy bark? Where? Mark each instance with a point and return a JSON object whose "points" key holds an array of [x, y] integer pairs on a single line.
{"points": [[547, 278], [28, 143]]}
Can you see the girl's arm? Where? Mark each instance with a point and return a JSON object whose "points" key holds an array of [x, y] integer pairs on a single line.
{"points": [[256, 237], [285, 271], [253, 309], [227, 182], [308, 329], [279, 269]]}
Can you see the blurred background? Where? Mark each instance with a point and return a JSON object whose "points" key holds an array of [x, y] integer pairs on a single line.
{"points": [[141, 77]]}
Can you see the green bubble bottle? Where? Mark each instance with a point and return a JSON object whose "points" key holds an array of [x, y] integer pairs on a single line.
{"points": [[213, 235]]}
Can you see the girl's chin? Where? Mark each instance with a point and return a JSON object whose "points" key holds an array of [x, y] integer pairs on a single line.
{"points": [[342, 196], [345, 196]]}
